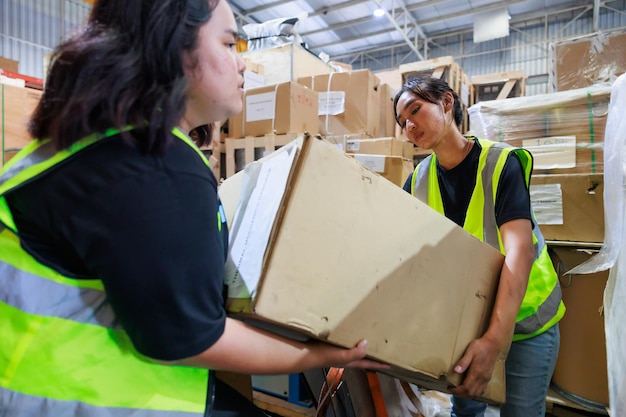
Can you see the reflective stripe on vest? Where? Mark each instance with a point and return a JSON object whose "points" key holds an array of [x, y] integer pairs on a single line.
{"points": [[62, 352], [542, 306]]}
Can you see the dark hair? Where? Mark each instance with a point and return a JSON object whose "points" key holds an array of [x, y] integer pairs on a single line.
{"points": [[125, 68], [431, 90]]}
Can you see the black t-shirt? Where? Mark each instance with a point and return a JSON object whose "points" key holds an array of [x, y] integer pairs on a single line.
{"points": [[457, 185], [146, 226]]}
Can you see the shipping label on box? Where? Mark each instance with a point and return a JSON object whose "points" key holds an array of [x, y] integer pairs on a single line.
{"points": [[348, 257], [276, 109], [552, 152], [569, 207], [331, 103], [352, 102], [547, 202]]}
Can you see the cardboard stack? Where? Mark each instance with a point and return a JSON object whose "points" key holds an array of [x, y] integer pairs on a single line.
{"points": [[564, 131], [349, 102], [287, 63], [320, 262], [390, 157], [16, 106]]}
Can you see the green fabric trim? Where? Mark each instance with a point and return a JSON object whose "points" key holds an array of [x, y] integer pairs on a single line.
{"points": [[6, 218], [185, 138], [106, 371]]}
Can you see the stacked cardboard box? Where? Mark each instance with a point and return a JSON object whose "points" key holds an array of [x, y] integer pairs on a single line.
{"points": [[564, 131], [349, 102], [276, 109], [16, 107], [390, 157], [287, 63]]}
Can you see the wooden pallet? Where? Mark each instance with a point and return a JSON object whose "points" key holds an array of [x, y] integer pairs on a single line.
{"points": [[497, 86], [253, 148], [442, 68], [281, 407]]}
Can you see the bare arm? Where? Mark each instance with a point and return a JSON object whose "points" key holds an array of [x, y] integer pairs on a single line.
{"points": [[245, 349], [481, 355]]}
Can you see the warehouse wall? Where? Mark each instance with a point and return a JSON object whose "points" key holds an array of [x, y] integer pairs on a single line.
{"points": [[29, 29]]}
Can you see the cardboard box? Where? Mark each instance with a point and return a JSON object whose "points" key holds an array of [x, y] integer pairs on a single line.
{"points": [[581, 368], [380, 146], [564, 131], [9, 64], [349, 102], [348, 256], [569, 207], [276, 109], [287, 63], [394, 168], [387, 115], [16, 107], [583, 61]]}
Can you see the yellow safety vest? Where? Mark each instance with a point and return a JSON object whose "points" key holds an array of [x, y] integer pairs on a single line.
{"points": [[61, 352], [542, 306]]}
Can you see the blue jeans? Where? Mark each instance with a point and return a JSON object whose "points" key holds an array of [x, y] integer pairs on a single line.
{"points": [[529, 368]]}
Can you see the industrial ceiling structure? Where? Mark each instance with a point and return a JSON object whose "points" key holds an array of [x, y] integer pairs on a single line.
{"points": [[347, 29]]}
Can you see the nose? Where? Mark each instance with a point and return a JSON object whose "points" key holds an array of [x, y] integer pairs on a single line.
{"points": [[409, 125]]}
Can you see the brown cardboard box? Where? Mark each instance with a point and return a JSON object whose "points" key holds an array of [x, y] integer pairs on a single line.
{"points": [[351, 256], [16, 107], [395, 168], [380, 146], [387, 118], [569, 207], [9, 64], [287, 63], [564, 131], [276, 109], [581, 368], [580, 62], [349, 102]]}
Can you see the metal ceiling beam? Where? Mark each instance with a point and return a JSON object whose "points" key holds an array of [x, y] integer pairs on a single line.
{"points": [[516, 20], [529, 16], [403, 31], [338, 26], [335, 7], [266, 6]]}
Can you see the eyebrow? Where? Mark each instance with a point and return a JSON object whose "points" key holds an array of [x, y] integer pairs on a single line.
{"points": [[408, 104], [232, 32]]}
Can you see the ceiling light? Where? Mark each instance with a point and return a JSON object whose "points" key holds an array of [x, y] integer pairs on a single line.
{"points": [[379, 12]]}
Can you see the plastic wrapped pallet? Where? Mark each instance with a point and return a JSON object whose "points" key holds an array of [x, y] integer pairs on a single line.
{"points": [[564, 131]]}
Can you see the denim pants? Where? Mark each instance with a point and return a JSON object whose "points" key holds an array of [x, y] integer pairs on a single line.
{"points": [[529, 367]]}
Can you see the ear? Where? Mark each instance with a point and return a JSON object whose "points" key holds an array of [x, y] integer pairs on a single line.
{"points": [[448, 101]]}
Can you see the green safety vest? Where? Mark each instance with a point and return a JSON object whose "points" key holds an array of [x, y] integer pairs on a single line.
{"points": [[61, 352], [542, 306]]}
